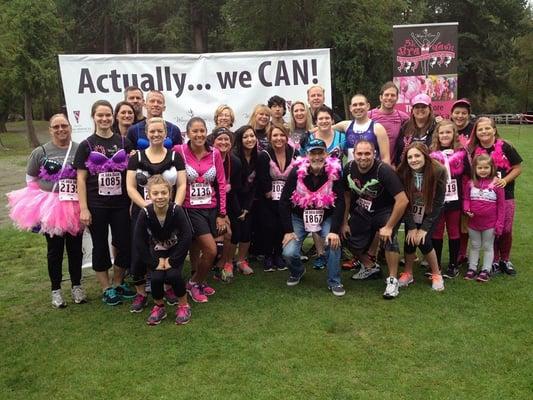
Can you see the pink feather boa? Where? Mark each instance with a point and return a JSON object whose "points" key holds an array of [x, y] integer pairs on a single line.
{"points": [[324, 197], [456, 160], [498, 156]]}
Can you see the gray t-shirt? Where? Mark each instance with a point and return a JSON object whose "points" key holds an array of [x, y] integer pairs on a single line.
{"points": [[41, 154]]}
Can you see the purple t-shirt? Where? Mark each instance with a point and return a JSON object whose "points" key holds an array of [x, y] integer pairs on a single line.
{"points": [[392, 123]]}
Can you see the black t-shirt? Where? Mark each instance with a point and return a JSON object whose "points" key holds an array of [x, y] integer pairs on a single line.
{"points": [[108, 147], [372, 191], [141, 162], [514, 159]]}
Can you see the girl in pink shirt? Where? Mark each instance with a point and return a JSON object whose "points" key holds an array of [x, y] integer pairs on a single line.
{"points": [[484, 203]]}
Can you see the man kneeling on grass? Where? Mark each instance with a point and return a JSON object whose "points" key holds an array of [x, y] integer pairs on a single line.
{"points": [[313, 201], [375, 202]]}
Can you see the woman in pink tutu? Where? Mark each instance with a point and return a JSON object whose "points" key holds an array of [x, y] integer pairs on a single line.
{"points": [[49, 204]]}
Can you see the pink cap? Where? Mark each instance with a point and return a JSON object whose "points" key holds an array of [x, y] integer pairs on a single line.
{"points": [[421, 98], [461, 103]]}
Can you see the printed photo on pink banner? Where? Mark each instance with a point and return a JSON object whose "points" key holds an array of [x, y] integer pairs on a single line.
{"points": [[441, 88], [425, 61]]}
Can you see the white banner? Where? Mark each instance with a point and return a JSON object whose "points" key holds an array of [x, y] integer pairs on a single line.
{"points": [[193, 84]]}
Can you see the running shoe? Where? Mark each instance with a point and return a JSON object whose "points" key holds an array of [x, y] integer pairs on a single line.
{"points": [[157, 315], [111, 297], [268, 265], [451, 272], [78, 294], [437, 283], [196, 293], [227, 272], [57, 299], [295, 280], [391, 290], [337, 290], [320, 262], [363, 274], [279, 263], [124, 291], [138, 303], [483, 276], [507, 267], [206, 289], [470, 275], [496, 268], [244, 267], [350, 264], [406, 279], [170, 297], [183, 314]]}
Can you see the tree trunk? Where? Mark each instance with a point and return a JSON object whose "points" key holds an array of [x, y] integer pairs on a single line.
{"points": [[199, 29], [32, 137], [346, 106], [107, 23], [128, 43], [3, 120]]}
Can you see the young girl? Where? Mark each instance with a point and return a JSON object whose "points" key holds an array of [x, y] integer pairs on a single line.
{"points": [[508, 163], [447, 150], [163, 236], [425, 182], [484, 203]]}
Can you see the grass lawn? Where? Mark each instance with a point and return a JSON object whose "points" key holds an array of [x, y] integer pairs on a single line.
{"points": [[259, 339]]}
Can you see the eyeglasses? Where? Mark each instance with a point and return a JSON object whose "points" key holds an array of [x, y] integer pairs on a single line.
{"points": [[60, 126]]}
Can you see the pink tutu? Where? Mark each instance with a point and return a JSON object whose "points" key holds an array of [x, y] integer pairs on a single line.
{"points": [[60, 217], [25, 206], [32, 207]]}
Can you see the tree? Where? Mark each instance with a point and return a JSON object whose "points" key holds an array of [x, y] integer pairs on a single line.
{"points": [[34, 31]]}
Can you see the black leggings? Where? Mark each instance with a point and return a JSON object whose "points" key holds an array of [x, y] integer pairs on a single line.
{"points": [[271, 226], [56, 246], [170, 276]]}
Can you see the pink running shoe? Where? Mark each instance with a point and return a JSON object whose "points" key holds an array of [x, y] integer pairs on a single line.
{"points": [[157, 315], [245, 268], [196, 293], [183, 314], [405, 279], [206, 289]]}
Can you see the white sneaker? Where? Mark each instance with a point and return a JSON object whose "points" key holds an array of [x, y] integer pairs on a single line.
{"points": [[57, 299], [437, 283], [391, 290], [367, 273], [78, 294]]}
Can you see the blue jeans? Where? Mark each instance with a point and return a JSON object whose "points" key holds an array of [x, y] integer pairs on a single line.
{"points": [[293, 250]]}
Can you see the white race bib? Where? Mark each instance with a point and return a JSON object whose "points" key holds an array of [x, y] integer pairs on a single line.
{"points": [[418, 213], [109, 183], [200, 193], [277, 188], [313, 220], [68, 190], [364, 203], [452, 193]]}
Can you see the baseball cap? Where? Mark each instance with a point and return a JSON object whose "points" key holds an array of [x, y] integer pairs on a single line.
{"points": [[421, 98], [316, 144], [461, 103]]}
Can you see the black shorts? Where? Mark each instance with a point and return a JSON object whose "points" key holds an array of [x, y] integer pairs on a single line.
{"points": [[203, 221], [364, 228]]}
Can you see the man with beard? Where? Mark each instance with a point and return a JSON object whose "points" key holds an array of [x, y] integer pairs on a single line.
{"points": [[375, 201]]}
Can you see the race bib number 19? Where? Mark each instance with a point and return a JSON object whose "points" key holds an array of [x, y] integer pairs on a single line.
{"points": [[451, 191], [109, 183], [68, 190]]}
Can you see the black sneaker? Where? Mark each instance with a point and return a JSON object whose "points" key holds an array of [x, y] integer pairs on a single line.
{"points": [[451, 272], [294, 280], [111, 297], [268, 265], [280, 264], [507, 267], [337, 290], [496, 268]]}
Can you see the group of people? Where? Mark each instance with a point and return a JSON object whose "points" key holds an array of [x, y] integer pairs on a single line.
{"points": [[224, 196]]}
